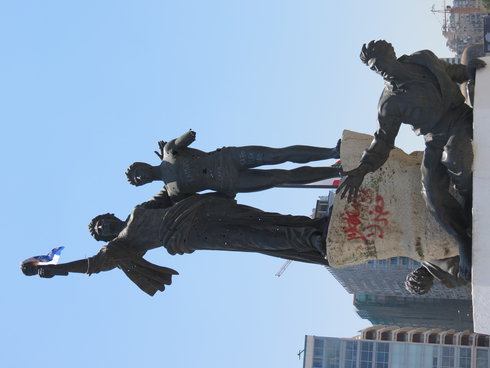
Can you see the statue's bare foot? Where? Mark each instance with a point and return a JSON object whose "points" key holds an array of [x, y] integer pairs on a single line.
{"points": [[336, 150], [464, 268]]}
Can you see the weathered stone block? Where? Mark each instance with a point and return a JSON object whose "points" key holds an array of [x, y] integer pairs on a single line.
{"points": [[389, 218]]}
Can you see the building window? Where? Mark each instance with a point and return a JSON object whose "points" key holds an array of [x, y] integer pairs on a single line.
{"points": [[366, 360], [323, 208], [318, 349], [333, 354], [465, 358], [447, 357], [382, 355], [350, 356], [435, 356], [401, 336], [417, 337], [361, 297], [317, 363], [481, 358]]}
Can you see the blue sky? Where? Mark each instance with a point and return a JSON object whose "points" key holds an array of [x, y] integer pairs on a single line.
{"points": [[88, 87]]}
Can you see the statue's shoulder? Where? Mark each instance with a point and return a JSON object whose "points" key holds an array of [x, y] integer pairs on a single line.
{"points": [[423, 57], [213, 199], [425, 53], [189, 153], [137, 216]]}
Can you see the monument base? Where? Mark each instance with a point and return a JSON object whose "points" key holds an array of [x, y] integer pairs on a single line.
{"points": [[481, 201], [389, 218]]}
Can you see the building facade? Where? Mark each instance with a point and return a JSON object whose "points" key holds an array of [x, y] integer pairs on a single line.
{"points": [[395, 347], [387, 277], [463, 24], [416, 312]]}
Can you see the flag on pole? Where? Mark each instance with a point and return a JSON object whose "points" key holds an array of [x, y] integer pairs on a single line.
{"points": [[51, 258]]}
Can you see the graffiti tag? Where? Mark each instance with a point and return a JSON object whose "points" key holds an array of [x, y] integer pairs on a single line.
{"points": [[365, 217]]}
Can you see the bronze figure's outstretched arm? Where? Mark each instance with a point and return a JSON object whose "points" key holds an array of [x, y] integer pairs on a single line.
{"points": [[462, 73], [90, 265], [374, 157], [148, 277], [352, 183], [183, 141]]}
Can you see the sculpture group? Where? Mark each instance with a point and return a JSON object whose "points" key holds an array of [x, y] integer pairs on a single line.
{"points": [[182, 221], [420, 90]]}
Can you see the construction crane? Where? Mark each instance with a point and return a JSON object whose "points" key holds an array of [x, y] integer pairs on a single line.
{"points": [[447, 9], [283, 268], [464, 10]]}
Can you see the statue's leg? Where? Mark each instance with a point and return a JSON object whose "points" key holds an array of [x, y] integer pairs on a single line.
{"points": [[253, 156], [445, 270], [447, 211], [458, 159], [252, 180]]}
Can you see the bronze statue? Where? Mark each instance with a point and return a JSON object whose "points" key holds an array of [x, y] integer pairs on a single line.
{"points": [[421, 280], [422, 91], [229, 170], [210, 221]]}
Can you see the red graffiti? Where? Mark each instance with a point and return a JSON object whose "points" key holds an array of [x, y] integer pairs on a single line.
{"points": [[379, 210], [354, 223], [365, 217]]}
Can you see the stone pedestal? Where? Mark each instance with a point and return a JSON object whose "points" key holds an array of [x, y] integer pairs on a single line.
{"points": [[389, 218]]}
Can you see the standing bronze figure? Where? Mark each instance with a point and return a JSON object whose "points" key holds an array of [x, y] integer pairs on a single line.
{"points": [[229, 170], [210, 221]]}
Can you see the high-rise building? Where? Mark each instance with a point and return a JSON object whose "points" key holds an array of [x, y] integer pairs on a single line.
{"points": [[395, 347], [324, 205], [387, 277], [416, 312], [463, 24]]}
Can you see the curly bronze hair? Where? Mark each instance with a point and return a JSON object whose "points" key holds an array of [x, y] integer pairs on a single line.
{"points": [[91, 226], [29, 269], [419, 281], [376, 49], [130, 171]]}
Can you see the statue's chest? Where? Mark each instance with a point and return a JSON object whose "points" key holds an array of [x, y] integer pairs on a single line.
{"points": [[168, 169], [418, 103], [142, 229]]}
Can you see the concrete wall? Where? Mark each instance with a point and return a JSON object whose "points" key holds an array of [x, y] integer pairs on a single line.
{"points": [[481, 202]]}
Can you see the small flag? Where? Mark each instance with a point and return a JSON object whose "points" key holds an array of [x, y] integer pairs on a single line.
{"points": [[338, 164], [51, 258]]}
